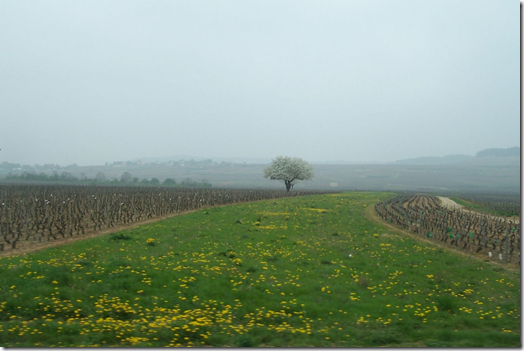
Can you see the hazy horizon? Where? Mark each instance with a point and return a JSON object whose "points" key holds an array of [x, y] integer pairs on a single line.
{"points": [[247, 160], [376, 81]]}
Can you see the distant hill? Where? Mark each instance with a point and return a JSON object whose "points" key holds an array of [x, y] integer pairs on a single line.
{"points": [[449, 159], [510, 152], [481, 156]]}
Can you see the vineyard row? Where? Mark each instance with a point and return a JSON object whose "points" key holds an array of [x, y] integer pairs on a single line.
{"points": [[496, 238], [35, 214]]}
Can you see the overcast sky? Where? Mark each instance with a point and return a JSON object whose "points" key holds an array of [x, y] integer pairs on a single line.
{"points": [[90, 82]]}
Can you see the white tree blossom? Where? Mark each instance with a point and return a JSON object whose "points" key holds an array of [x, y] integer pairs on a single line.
{"points": [[288, 169]]}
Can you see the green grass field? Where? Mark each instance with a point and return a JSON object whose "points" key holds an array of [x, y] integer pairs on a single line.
{"points": [[298, 272]]}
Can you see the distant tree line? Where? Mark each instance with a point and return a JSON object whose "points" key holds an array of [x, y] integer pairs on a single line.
{"points": [[100, 178]]}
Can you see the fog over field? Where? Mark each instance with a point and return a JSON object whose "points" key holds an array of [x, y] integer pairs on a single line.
{"points": [[374, 81]]}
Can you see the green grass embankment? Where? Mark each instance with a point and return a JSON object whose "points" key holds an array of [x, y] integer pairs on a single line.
{"points": [[482, 209], [297, 272]]}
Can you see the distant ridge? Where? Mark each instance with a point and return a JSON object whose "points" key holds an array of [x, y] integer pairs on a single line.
{"points": [[449, 159], [510, 152], [456, 159]]}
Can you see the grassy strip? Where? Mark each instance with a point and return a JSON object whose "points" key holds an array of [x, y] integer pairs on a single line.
{"points": [[308, 271], [479, 208]]}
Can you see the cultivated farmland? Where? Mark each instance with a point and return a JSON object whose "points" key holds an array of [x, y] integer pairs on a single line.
{"points": [[300, 271], [35, 214], [493, 237]]}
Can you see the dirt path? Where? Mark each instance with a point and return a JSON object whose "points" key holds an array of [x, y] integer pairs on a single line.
{"points": [[370, 214], [447, 202]]}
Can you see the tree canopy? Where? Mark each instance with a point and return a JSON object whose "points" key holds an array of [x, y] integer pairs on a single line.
{"points": [[126, 177], [288, 169]]}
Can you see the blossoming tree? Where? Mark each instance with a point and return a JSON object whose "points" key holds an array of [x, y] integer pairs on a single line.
{"points": [[288, 169]]}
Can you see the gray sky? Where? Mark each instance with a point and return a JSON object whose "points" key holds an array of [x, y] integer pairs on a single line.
{"points": [[90, 82]]}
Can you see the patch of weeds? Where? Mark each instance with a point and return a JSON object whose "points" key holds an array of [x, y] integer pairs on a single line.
{"points": [[363, 282], [60, 275], [446, 303], [437, 344], [229, 254], [120, 236], [217, 340], [84, 263], [446, 335], [124, 285], [414, 264], [117, 262], [384, 337], [245, 341], [438, 279]]}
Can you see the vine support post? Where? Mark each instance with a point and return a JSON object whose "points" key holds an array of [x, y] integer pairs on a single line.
{"points": [[483, 230], [507, 243]]}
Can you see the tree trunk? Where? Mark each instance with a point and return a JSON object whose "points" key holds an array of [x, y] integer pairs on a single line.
{"points": [[288, 185]]}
